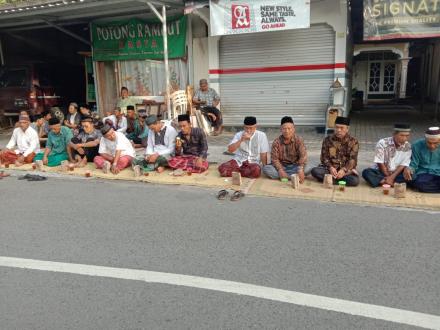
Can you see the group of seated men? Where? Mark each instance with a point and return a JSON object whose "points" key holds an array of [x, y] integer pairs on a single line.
{"points": [[110, 149]]}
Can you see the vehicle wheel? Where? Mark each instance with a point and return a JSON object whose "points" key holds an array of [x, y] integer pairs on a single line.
{"points": [[58, 113]]}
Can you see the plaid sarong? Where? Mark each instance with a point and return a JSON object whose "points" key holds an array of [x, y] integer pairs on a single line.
{"points": [[187, 163]]}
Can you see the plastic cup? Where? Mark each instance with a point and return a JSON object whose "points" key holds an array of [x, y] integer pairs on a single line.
{"points": [[386, 189], [342, 185], [34, 166]]}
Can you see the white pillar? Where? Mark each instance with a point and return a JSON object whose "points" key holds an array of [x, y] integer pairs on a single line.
{"points": [[403, 76]]}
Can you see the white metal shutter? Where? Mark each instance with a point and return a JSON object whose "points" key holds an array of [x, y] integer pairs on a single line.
{"points": [[303, 94]]}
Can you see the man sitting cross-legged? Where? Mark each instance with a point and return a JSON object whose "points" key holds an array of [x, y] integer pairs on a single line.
{"points": [[161, 145], [339, 155], [58, 139], [250, 147], [22, 146], [191, 148], [84, 147], [288, 154], [424, 169], [115, 151], [392, 155]]}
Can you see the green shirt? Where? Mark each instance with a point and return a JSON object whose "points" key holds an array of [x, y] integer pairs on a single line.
{"points": [[57, 143], [424, 160]]}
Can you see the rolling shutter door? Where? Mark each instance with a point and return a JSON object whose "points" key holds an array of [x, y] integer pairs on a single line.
{"points": [[274, 74]]}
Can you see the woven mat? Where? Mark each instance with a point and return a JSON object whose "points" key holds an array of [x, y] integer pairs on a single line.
{"points": [[310, 189], [363, 194]]}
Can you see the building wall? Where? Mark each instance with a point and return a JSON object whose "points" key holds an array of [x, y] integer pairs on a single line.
{"points": [[332, 12], [435, 72]]}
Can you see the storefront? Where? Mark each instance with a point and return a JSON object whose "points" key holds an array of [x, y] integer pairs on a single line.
{"points": [[129, 53], [273, 74]]}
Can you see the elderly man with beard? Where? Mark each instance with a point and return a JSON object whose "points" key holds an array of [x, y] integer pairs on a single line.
{"points": [[424, 169], [58, 139], [288, 155], [339, 155]]}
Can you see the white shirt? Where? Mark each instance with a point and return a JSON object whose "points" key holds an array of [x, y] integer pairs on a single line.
{"points": [[26, 142], [390, 155], [163, 150], [120, 143], [72, 118], [122, 125], [112, 118], [251, 149]]}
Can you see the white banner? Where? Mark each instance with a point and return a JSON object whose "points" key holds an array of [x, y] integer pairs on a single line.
{"points": [[249, 16]]}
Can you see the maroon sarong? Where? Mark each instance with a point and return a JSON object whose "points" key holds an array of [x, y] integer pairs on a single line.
{"points": [[187, 163], [247, 170], [10, 157]]}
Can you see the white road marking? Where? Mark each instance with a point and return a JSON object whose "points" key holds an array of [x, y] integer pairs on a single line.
{"points": [[423, 320]]}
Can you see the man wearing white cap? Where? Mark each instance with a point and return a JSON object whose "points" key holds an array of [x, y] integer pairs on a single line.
{"points": [[424, 170], [23, 145]]}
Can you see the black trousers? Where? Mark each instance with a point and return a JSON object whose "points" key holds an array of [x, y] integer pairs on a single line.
{"points": [[216, 112], [320, 171], [90, 152]]}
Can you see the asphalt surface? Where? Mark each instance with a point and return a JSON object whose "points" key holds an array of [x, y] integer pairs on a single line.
{"points": [[379, 256]]}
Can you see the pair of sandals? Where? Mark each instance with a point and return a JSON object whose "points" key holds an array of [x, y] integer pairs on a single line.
{"points": [[236, 196]]}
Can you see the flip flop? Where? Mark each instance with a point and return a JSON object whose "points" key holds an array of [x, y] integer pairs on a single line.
{"points": [[236, 196], [36, 178], [221, 195]]}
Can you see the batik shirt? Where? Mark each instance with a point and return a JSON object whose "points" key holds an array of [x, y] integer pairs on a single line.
{"points": [[209, 96], [390, 155], [284, 154], [87, 137], [197, 145], [425, 161], [340, 153]]}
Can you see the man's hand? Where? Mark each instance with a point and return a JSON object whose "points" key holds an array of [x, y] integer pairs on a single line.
{"points": [[341, 173], [152, 158], [301, 175], [246, 136], [199, 162], [283, 174], [114, 169], [334, 172], [389, 180], [407, 174], [45, 160]]}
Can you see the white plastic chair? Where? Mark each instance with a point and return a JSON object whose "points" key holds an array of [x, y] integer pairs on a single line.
{"points": [[179, 102]]}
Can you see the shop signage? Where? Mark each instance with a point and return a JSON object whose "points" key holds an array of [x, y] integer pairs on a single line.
{"points": [[391, 19], [137, 39], [241, 16]]}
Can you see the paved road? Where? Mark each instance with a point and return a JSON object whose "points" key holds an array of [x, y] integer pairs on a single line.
{"points": [[376, 256]]}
